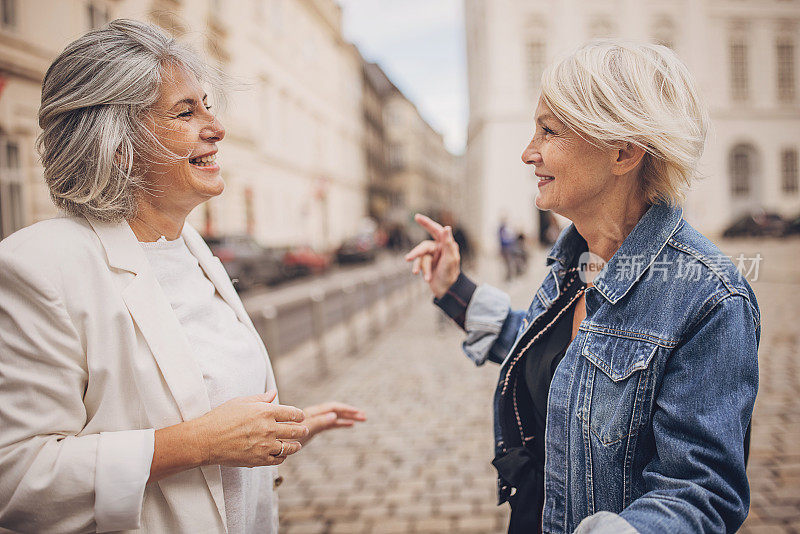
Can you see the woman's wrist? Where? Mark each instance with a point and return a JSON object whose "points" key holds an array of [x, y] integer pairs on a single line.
{"points": [[446, 285], [456, 299], [179, 448], [200, 438]]}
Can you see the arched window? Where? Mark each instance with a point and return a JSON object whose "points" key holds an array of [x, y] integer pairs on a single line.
{"points": [[742, 169]]}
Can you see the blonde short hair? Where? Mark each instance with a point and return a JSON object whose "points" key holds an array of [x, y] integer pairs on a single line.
{"points": [[614, 92]]}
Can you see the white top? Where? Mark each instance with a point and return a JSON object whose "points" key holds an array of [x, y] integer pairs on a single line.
{"points": [[229, 357]]}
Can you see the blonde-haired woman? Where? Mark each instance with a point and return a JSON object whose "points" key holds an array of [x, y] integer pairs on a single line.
{"points": [[135, 393], [624, 397]]}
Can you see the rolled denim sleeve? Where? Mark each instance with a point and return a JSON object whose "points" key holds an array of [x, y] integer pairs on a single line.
{"points": [[491, 325], [486, 315], [702, 411]]}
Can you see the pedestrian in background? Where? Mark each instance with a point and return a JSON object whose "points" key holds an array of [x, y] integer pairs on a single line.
{"points": [[134, 391], [507, 245], [624, 397], [520, 254]]}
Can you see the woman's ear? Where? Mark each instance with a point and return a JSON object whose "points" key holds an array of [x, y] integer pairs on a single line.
{"points": [[628, 158]]}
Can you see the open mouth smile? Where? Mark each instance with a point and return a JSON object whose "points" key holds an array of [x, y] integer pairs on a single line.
{"points": [[544, 179], [204, 161]]}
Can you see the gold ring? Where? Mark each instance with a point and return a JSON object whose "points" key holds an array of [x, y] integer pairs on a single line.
{"points": [[283, 446]]}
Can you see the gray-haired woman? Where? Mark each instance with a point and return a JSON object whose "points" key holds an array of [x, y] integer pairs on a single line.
{"points": [[134, 390]]}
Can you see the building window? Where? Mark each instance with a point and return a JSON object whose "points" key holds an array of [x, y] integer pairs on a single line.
{"points": [[738, 66], [11, 203], [8, 13], [741, 166], [785, 57], [789, 170], [535, 56], [96, 15]]}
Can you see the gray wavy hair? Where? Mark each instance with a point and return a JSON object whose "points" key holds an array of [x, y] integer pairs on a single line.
{"points": [[94, 141]]}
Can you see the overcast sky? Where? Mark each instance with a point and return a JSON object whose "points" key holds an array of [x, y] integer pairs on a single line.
{"points": [[420, 45]]}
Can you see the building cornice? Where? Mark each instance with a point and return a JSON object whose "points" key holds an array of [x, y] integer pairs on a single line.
{"points": [[783, 114]]}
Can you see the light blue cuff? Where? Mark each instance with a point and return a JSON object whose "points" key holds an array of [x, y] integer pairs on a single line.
{"points": [[486, 313], [605, 523]]}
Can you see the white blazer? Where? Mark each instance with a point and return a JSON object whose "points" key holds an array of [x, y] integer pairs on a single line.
{"points": [[92, 358]]}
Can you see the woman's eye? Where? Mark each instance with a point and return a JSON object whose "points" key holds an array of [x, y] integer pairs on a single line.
{"points": [[187, 113], [548, 130]]}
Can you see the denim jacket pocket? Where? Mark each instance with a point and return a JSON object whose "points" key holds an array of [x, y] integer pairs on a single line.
{"points": [[613, 401]]}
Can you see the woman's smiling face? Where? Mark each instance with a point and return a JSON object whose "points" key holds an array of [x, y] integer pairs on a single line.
{"points": [[182, 121], [572, 172]]}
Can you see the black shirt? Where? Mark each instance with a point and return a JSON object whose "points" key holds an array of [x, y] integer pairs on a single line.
{"points": [[532, 366], [540, 366]]}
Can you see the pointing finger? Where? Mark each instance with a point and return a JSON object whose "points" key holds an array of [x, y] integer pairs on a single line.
{"points": [[431, 226], [448, 234]]}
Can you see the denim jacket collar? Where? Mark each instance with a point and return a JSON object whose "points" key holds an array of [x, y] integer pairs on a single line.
{"points": [[637, 253]]}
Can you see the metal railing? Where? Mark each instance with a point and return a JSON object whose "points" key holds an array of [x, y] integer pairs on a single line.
{"points": [[375, 300]]}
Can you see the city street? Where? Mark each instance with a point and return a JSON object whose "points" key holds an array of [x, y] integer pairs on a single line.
{"points": [[421, 462]]}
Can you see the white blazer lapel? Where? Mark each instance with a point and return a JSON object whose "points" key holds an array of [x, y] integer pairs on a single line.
{"points": [[155, 318], [163, 332]]}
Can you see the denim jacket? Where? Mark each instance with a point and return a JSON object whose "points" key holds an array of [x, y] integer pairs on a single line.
{"points": [[648, 409]]}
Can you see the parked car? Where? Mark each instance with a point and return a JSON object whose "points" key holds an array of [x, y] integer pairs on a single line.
{"points": [[247, 262], [359, 248], [757, 224], [792, 226], [305, 260]]}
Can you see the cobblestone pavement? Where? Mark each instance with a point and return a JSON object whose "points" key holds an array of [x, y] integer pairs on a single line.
{"points": [[421, 462], [774, 469]]}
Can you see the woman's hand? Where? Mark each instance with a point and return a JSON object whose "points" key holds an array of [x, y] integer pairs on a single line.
{"points": [[439, 260], [330, 415], [250, 432]]}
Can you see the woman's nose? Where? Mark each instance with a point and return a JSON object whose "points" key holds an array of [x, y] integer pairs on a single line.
{"points": [[213, 132], [531, 156]]}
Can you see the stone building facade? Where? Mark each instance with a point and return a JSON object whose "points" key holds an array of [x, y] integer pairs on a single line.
{"points": [[293, 156], [744, 54], [410, 168]]}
